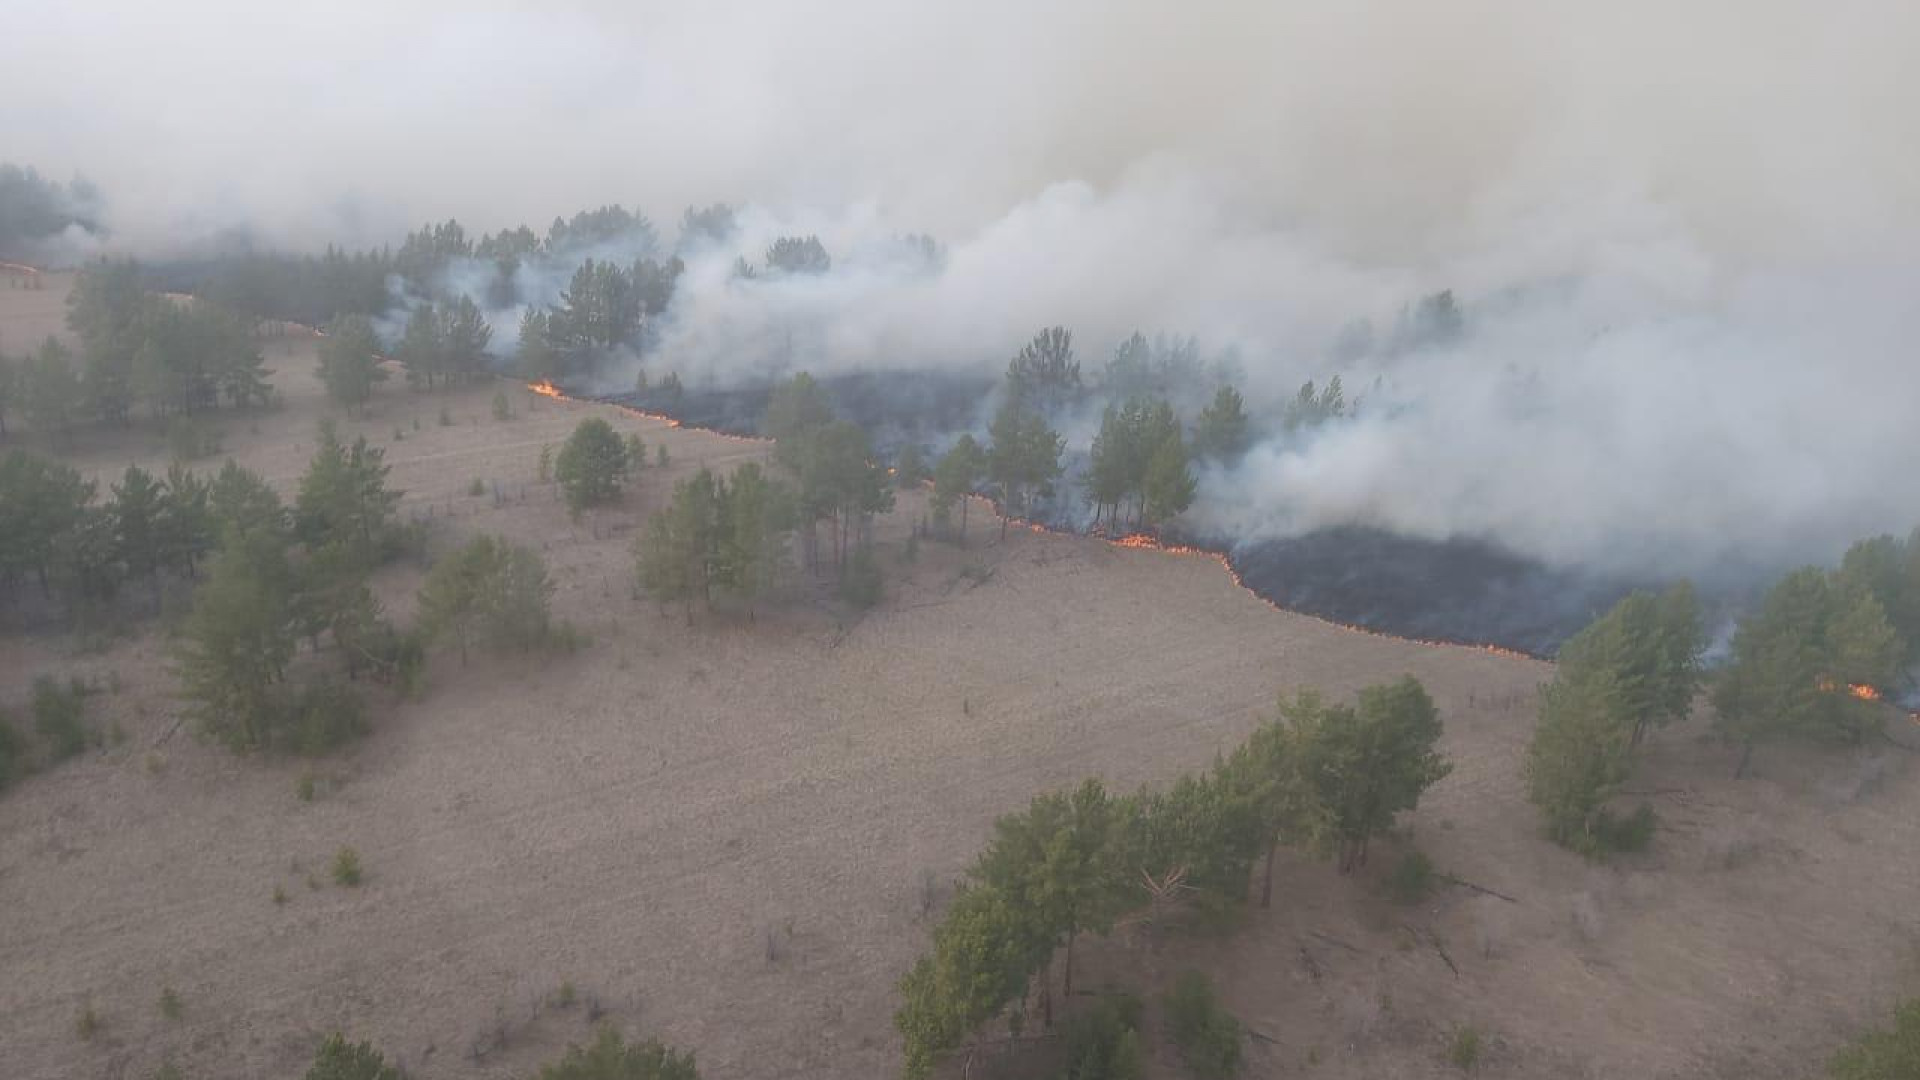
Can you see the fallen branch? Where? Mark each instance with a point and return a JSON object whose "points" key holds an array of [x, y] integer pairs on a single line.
{"points": [[1356, 950], [1439, 948], [1313, 966], [1255, 1033], [1465, 884]]}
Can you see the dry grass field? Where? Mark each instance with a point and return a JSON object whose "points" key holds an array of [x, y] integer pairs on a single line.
{"points": [[720, 833]]}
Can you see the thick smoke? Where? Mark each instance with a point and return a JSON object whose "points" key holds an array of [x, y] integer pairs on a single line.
{"points": [[1683, 233]]}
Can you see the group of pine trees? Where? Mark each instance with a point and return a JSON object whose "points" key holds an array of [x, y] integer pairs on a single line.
{"points": [[719, 533], [282, 575], [1812, 661], [82, 552], [1076, 862], [137, 352], [839, 479]]}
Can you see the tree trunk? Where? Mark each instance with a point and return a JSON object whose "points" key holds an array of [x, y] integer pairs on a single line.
{"points": [[1266, 888], [1066, 989], [1046, 993], [1746, 757], [964, 500]]}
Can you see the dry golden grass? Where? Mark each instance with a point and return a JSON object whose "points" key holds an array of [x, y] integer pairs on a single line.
{"points": [[637, 819]]}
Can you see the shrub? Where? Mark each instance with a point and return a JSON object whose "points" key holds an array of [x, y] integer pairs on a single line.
{"points": [[279, 894], [660, 455], [565, 996], [57, 712], [1463, 1050], [170, 1006], [636, 450], [88, 1023], [324, 714], [338, 1059], [1612, 832], [346, 867], [1411, 879], [1208, 1037], [446, 417], [502, 409], [169, 1071], [546, 463], [303, 787], [611, 1058], [860, 585], [1103, 1042], [477, 488]]}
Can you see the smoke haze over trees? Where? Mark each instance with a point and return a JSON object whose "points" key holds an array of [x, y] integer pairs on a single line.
{"points": [[1676, 339]]}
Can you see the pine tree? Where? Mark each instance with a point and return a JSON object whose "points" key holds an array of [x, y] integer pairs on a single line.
{"points": [[675, 559], [1025, 458], [423, 346], [592, 465], [1369, 762], [466, 336], [953, 481], [138, 509], [234, 647], [1221, 433], [349, 360], [1168, 487]]}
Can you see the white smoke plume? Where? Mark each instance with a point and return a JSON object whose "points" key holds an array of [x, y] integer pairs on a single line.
{"points": [[1684, 233]]}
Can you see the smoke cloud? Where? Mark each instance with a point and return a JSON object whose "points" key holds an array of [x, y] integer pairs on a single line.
{"points": [[1684, 234]]}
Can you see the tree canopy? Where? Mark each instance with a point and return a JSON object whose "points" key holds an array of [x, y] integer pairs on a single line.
{"points": [[488, 594], [592, 465], [1807, 663]]}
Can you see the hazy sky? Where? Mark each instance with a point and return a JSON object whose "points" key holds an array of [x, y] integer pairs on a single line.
{"points": [[1688, 231], [1400, 131]]}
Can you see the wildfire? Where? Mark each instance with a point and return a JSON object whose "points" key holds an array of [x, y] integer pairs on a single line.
{"points": [[1859, 690], [546, 388], [1148, 542]]}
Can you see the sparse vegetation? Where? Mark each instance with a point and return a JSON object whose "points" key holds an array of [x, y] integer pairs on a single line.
{"points": [[59, 712], [1103, 1040], [1889, 1054], [1463, 1047], [1412, 878], [171, 1006], [346, 867], [88, 1024]]}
